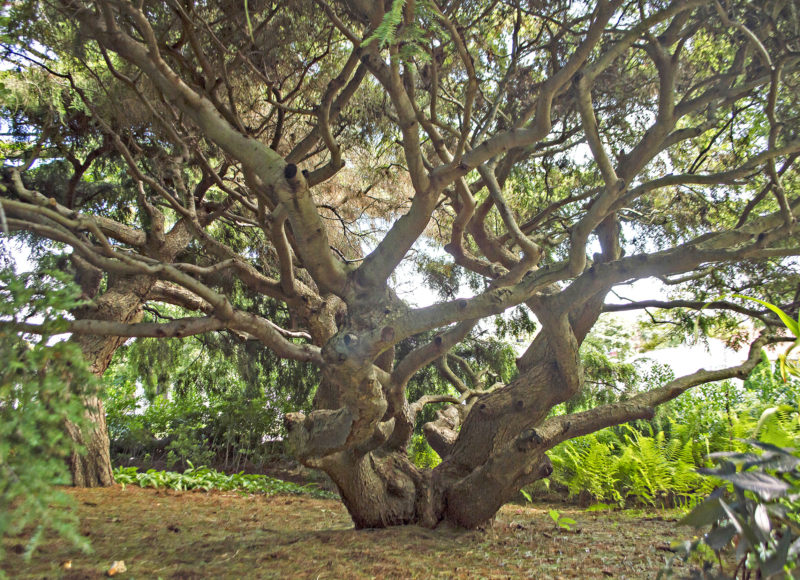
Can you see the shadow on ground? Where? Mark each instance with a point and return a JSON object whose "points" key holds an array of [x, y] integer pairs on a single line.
{"points": [[168, 534]]}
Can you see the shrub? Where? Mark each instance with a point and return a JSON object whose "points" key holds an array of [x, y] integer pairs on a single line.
{"points": [[206, 410]]}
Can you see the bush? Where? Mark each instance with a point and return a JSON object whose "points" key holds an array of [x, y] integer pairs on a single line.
{"points": [[179, 401]]}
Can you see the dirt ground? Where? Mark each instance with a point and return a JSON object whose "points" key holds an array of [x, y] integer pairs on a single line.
{"points": [[168, 534]]}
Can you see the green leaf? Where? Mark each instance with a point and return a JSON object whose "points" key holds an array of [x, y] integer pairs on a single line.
{"points": [[706, 513], [387, 29], [765, 485], [249, 23], [791, 324], [744, 529], [719, 537], [599, 507]]}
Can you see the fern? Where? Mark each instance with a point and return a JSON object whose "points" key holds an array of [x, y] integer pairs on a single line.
{"points": [[587, 464], [386, 32], [660, 465], [644, 467], [779, 426], [657, 468]]}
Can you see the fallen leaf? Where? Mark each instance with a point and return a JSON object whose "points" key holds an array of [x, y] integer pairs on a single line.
{"points": [[117, 567], [66, 564]]}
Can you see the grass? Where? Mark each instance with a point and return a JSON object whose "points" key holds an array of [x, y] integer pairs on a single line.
{"points": [[162, 533]]}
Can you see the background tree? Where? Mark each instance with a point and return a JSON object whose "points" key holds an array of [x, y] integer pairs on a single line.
{"points": [[554, 150]]}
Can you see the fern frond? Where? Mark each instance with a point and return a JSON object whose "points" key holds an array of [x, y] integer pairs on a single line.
{"points": [[386, 32]]}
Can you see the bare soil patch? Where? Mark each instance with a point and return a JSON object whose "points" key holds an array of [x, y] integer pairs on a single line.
{"points": [[187, 535]]}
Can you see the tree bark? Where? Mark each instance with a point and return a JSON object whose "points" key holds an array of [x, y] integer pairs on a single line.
{"points": [[383, 489], [121, 302], [92, 466]]}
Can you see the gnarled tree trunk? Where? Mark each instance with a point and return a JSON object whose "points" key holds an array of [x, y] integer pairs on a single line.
{"points": [[492, 442], [490, 448]]}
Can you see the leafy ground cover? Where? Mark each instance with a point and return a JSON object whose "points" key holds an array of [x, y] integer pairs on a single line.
{"points": [[162, 533], [206, 479]]}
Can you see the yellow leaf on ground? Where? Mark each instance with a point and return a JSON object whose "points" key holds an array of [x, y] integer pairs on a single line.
{"points": [[117, 567]]}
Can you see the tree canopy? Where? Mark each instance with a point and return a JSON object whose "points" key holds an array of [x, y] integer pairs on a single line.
{"points": [[267, 166]]}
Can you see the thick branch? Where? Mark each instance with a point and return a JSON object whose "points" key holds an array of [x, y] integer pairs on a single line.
{"points": [[641, 406], [178, 328]]}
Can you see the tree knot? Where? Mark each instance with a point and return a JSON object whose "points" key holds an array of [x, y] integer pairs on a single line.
{"points": [[290, 171]]}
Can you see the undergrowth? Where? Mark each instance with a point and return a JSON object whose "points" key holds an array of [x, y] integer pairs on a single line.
{"points": [[612, 467], [203, 478], [658, 467]]}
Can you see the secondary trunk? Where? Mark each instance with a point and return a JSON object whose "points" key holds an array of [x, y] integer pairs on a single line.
{"points": [[92, 466], [121, 302]]}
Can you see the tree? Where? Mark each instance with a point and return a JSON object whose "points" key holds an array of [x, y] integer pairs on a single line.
{"points": [[554, 150]]}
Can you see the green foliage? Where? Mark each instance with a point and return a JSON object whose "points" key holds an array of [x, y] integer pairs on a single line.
{"points": [[588, 464], [658, 466], [412, 37], [656, 469], [646, 462], [422, 454], [653, 470], [230, 428], [208, 400], [765, 384], [515, 325], [654, 462], [563, 522], [203, 478], [756, 513], [386, 31], [788, 321], [787, 366], [443, 277], [757, 510], [42, 387]]}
